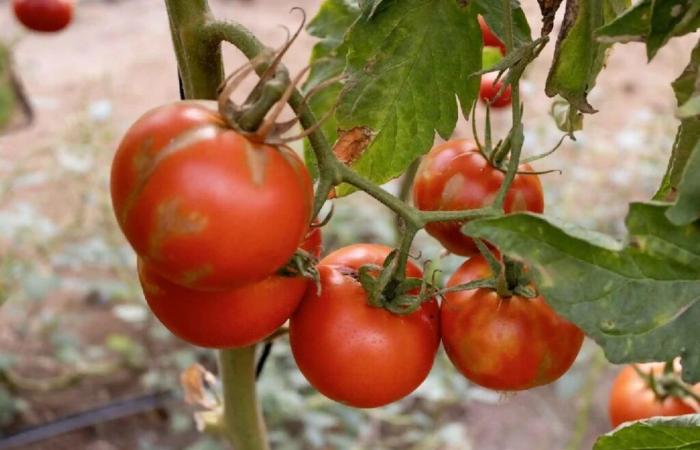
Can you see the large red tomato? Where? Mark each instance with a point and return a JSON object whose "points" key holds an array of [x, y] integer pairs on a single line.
{"points": [[504, 344], [44, 15], [488, 91], [490, 39], [632, 399], [354, 353], [455, 176], [222, 319], [204, 206]]}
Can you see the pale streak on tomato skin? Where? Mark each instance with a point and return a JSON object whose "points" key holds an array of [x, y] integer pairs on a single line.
{"points": [[145, 164], [257, 161]]}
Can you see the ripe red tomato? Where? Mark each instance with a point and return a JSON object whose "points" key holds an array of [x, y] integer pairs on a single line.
{"points": [[222, 319], [632, 399], [204, 206], [488, 91], [455, 176], [354, 353], [490, 39], [504, 344], [44, 15]]}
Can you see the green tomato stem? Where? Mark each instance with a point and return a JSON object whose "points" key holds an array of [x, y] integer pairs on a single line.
{"points": [[517, 132], [243, 422]]}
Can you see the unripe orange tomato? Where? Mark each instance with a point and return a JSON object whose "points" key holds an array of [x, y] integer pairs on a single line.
{"points": [[354, 353], [505, 344], [202, 205], [455, 176]]}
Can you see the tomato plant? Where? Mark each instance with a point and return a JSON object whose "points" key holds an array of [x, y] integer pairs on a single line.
{"points": [[216, 200], [455, 176], [489, 89], [44, 15], [201, 204], [505, 344], [633, 397], [354, 352]]}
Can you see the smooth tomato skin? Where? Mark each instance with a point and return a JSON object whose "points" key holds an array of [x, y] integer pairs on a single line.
{"points": [[357, 255], [357, 354], [455, 176], [488, 92], [204, 206], [490, 39], [504, 344], [222, 319], [631, 398], [44, 15]]}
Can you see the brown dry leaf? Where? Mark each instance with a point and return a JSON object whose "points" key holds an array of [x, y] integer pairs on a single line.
{"points": [[194, 381], [549, 9], [352, 143]]}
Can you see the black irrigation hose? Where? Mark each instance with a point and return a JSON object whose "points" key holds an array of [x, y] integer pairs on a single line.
{"points": [[112, 411]]}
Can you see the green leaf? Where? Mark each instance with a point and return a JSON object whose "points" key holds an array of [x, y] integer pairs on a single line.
{"points": [[660, 433], [331, 23], [493, 13], [578, 58], [632, 25], [639, 301], [653, 22], [686, 87], [671, 18], [405, 67], [687, 207], [370, 7]]}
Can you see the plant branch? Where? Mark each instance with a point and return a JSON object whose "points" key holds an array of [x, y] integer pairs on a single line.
{"points": [[516, 137]]}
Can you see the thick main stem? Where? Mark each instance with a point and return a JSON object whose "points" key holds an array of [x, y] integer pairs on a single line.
{"points": [[243, 422], [199, 62]]}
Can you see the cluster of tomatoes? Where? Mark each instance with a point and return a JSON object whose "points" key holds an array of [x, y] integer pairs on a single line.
{"points": [[489, 88], [44, 15], [220, 222]]}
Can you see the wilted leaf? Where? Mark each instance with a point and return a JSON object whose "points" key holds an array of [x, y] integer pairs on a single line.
{"points": [[578, 58], [631, 25], [653, 22], [688, 136], [687, 207], [639, 301], [670, 18], [667, 433], [549, 9]]}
